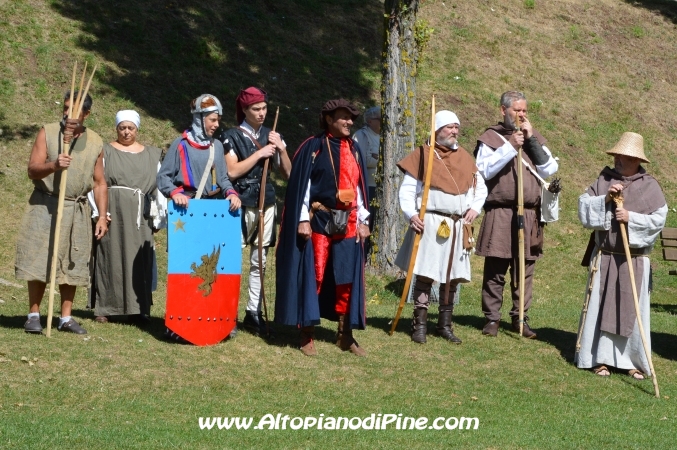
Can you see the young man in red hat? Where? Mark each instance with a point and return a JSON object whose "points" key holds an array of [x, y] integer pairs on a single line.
{"points": [[247, 147], [320, 256]]}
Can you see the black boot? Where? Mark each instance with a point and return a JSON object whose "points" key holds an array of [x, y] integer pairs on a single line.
{"points": [[444, 325], [419, 325], [256, 324]]}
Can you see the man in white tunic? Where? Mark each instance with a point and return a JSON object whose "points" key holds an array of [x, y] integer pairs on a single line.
{"points": [[608, 331], [456, 196]]}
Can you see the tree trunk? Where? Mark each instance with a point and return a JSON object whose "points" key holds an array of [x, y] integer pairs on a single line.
{"points": [[398, 99]]}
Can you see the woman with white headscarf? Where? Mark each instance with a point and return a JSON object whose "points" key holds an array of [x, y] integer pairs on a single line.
{"points": [[124, 258]]}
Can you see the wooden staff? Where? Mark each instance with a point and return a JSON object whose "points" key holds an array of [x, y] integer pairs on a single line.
{"points": [[262, 205], [520, 229], [618, 199], [421, 213], [74, 111], [593, 272]]}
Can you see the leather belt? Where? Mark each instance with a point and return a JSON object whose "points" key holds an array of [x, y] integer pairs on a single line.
{"points": [[454, 217]]}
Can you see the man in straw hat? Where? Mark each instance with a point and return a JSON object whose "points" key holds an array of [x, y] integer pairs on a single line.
{"points": [[457, 193], [320, 256], [34, 246], [609, 334], [247, 147], [496, 154]]}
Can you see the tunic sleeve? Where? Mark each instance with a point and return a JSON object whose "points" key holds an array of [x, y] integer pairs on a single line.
{"points": [[222, 179], [407, 195], [490, 162], [593, 212], [643, 229], [550, 167], [481, 193], [169, 169]]}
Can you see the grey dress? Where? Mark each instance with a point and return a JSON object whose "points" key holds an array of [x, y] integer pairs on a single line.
{"points": [[123, 269]]}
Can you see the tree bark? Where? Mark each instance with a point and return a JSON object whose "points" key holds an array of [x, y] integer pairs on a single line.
{"points": [[398, 99]]}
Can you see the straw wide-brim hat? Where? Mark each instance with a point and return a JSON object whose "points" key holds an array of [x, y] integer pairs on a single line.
{"points": [[631, 144]]}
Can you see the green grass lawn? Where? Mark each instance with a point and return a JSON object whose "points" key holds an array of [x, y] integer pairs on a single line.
{"points": [[591, 71]]}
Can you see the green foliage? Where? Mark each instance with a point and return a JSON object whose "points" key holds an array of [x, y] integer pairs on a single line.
{"points": [[6, 88], [637, 31], [529, 4], [422, 35]]}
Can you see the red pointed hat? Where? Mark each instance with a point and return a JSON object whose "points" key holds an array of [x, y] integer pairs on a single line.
{"points": [[248, 97]]}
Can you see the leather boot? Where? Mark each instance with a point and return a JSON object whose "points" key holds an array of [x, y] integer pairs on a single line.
{"points": [[308, 341], [444, 326], [345, 339], [419, 325], [527, 332], [255, 323]]}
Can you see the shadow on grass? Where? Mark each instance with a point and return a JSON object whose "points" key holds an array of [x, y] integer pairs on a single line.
{"points": [[164, 53], [153, 326], [564, 341], [16, 322], [667, 8], [665, 345], [395, 287], [658, 308]]}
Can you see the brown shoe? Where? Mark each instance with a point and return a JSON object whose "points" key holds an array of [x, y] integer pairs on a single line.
{"points": [[345, 339], [308, 341], [101, 319], [491, 328], [526, 331]]}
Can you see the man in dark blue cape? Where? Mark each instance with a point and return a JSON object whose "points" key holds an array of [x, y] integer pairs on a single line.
{"points": [[320, 254]]}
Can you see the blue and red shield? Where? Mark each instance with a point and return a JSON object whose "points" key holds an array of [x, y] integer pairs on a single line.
{"points": [[203, 270]]}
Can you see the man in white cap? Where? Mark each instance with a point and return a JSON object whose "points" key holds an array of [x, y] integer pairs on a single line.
{"points": [[496, 154], [609, 334], [457, 193]]}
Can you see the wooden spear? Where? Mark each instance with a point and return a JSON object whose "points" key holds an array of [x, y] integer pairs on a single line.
{"points": [[262, 199], [74, 111], [593, 273], [421, 213], [618, 199], [520, 229]]}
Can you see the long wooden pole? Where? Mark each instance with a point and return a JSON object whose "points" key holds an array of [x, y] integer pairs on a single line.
{"points": [[520, 229], [421, 213], [618, 199], [262, 205], [74, 111], [59, 211], [593, 273]]}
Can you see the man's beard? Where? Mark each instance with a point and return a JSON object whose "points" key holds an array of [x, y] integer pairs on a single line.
{"points": [[509, 122], [449, 143]]}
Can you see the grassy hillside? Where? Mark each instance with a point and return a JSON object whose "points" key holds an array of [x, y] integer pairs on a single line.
{"points": [[591, 70]]}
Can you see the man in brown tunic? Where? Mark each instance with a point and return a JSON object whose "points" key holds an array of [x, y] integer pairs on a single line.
{"points": [[34, 246], [496, 154]]}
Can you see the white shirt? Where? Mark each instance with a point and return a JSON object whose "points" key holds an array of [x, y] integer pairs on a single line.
{"points": [[362, 212], [490, 162]]}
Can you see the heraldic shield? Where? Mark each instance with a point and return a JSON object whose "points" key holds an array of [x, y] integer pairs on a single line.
{"points": [[203, 270]]}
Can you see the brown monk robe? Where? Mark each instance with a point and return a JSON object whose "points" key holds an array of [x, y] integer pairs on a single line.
{"points": [[496, 155]]}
